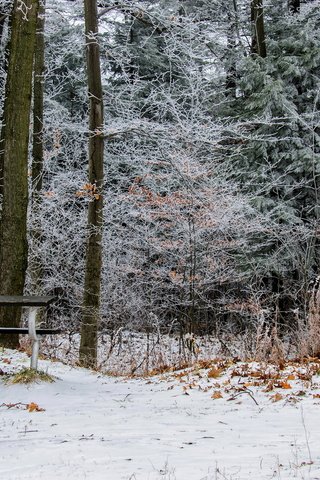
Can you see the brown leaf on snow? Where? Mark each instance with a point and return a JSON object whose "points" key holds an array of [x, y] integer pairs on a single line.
{"points": [[256, 375], [214, 372], [216, 395], [301, 393], [284, 385], [204, 363], [34, 407], [277, 397], [269, 387]]}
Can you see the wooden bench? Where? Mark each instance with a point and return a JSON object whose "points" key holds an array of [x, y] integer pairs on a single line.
{"points": [[33, 303]]}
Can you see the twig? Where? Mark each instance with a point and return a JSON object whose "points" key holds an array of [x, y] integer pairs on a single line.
{"points": [[241, 392], [306, 436]]}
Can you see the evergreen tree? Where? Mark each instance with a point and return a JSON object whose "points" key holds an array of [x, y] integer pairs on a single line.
{"points": [[275, 153]]}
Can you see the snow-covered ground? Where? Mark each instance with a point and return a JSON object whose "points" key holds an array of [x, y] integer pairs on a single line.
{"points": [[218, 420]]}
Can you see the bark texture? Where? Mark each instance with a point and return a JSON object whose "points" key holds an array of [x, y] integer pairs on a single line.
{"points": [[91, 296], [4, 14], [14, 147], [36, 266], [258, 46], [294, 6], [38, 89]]}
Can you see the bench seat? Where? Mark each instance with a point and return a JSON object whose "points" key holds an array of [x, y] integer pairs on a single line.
{"points": [[33, 303], [25, 331]]}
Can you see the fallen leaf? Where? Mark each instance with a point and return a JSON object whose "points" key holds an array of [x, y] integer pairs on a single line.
{"points": [[256, 375], [34, 407], [284, 385], [214, 372], [277, 397], [216, 395], [301, 393]]}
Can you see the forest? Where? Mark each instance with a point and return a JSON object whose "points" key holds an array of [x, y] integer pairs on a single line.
{"points": [[160, 167]]}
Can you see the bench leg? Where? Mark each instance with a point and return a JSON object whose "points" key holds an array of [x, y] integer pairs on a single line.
{"points": [[35, 354], [33, 336]]}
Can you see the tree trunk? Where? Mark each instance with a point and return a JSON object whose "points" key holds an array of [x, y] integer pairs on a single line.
{"points": [[38, 89], [93, 263], [4, 13], [294, 6], [15, 135], [258, 46], [35, 263], [231, 71]]}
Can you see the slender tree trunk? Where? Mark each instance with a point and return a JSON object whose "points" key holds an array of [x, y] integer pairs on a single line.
{"points": [[91, 296], [258, 46], [38, 89], [15, 135], [35, 265], [231, 72]]}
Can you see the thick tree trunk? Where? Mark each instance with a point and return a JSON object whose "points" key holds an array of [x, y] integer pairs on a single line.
{"points": [[258, 46], [14, 147], [91, 296]]}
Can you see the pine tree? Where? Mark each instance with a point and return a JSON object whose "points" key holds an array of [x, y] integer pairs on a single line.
{"points": [[275, 153]]}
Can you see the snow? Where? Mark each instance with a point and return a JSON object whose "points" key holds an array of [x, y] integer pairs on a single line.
{"points": [[168, 426]]}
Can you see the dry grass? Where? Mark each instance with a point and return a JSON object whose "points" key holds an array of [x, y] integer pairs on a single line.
{"points": [[28, 375]]}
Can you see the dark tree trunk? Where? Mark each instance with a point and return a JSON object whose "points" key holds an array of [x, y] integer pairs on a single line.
{"points": [[258, 46], [35, 266], [294, 6], [38, 89], [93, 263], [14, 147], [231, 71], [4, 15]]}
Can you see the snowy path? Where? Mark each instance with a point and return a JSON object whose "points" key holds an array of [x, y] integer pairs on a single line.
{"points": [[103, 428]]}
